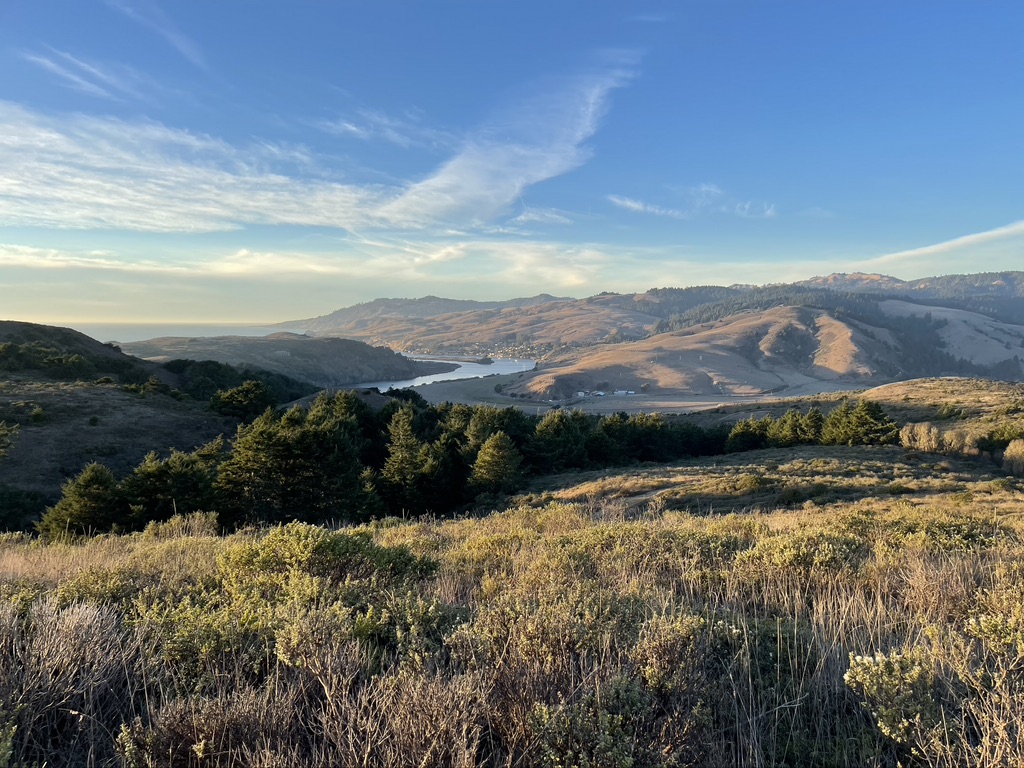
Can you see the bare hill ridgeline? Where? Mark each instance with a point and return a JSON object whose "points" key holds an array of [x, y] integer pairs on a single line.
{"points": [[840, 330]]}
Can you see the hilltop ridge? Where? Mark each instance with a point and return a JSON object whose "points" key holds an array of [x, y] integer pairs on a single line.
{"points": [[855, 328]]}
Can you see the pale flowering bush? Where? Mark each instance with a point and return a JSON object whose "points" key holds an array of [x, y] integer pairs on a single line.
{"points": [[899, 688]]}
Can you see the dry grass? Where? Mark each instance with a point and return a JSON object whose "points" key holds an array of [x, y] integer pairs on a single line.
{"points": [[803, 477], [605, 621]]}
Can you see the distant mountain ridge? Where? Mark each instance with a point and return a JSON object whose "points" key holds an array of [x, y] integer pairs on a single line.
{"points": [[1001, 284], [425, 307], [855, 327]]}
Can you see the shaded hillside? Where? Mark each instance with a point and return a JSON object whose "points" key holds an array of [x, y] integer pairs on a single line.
{"points": [[847, 328], [63, 353], [999, 295], [65, 426], [350, 321], [543, 325], [520, 327], [325, 362], [31, 351], [748, 353]]}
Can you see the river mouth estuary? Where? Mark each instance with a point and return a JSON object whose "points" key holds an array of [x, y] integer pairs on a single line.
{"points": [[465, 370]]}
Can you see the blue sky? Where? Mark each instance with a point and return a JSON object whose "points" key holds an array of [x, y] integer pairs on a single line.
{"points": [[243, 161]]}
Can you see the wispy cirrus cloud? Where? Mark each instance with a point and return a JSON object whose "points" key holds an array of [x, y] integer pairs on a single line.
{"points": [[542, 216], [150, 15], [84, 172], [752, 210], [409, 130], [639, 206], [702, 199], [1000, 245], [105, 80], [536, 139], [70, 76], [31, 257], [384, 260], [79, 172]]}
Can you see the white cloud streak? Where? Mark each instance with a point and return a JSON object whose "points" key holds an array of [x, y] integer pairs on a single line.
{"points": [[536, 140], [30, 257], [106, 81], [443, 263], [69, 78], [700, 200], [638, 206], [407, 131], [81, 172], [150, 15], [953, 246], [542, 216]]}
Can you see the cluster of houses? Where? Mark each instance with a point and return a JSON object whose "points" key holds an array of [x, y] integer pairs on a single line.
{"points": [[598, 393]]}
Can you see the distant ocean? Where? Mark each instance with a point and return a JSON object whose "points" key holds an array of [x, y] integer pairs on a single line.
{"points": [[125, 332]]}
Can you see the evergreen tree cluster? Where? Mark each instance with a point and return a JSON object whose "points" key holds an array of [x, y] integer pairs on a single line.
{"points": [[342, 461], [860, 423], [203, 379], [50, 361]]}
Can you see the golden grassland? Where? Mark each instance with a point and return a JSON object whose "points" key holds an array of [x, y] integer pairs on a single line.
{"points": [[805, 606]]}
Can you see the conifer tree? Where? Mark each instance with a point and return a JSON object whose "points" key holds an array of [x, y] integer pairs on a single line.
{"points": [[159, 488], [246, 401], [90, 503], [560, 440], [302, 466], [444, 474], [838, 427], [401, 474], [497, 466], [785, 432], [811, 426], [872, 426], [749, 435]]}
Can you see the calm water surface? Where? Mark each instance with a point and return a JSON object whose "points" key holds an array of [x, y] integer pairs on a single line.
{"points": [[464, 371]]}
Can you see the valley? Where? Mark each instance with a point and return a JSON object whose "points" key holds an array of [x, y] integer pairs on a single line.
{"points": [[840, 331]]}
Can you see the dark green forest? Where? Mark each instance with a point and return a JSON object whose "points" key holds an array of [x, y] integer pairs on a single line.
{"points": [[341, 461]]}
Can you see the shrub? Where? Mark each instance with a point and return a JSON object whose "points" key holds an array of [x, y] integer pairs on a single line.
{"points": [[899, 687], [69, 675], [1013, 457]]}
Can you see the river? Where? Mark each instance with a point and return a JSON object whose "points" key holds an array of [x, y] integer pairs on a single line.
{"points": [[464, 371]]}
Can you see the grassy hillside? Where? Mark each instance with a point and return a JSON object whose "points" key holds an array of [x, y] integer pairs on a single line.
{"points": [[64, 426], [874, 622], [350, 321]]}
